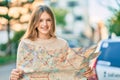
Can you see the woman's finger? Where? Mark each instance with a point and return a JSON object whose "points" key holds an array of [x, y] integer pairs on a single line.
{"points": [[12, 77], [88, 73], [15, 74], [20, 70]]}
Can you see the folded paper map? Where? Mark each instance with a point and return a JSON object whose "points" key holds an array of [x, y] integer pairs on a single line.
{"points": [[39, 63]]}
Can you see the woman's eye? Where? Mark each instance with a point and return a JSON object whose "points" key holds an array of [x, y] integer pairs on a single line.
{"points": [[49, 20], [41, 20]]}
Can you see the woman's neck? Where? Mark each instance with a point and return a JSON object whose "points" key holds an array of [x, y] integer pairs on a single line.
{"points": [[44, 37]]}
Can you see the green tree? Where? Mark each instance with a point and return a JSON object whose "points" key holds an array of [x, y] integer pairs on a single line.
{"points": [[60, 14], [113, 23], [16, 39], [8, 5]]}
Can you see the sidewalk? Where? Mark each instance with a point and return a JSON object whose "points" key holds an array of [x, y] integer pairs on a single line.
{"points": [[5, 71]]}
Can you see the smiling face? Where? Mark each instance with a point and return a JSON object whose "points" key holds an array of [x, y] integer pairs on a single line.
{"points": [[41, 24], [45, 24]]}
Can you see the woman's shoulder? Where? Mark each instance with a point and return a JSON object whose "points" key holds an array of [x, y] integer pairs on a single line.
{"points": [[61, 40], [25, 41], [62, 43]]}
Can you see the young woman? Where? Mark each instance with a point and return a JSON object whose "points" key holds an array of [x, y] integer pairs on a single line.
{"points": [[43, 56]]}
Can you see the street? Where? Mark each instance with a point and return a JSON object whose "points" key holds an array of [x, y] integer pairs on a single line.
{"points": [[5, 71]]}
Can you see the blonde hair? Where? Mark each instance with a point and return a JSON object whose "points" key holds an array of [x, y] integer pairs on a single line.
{"points": [[32, 31]]}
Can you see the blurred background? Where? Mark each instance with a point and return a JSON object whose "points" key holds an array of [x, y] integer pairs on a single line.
{"points": [[81, 22]]}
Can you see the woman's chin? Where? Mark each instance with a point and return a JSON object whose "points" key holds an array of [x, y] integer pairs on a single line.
{"points": [[45, 32]]}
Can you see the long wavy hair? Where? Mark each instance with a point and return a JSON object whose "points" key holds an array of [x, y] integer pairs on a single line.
{"points": [[32, 32]]}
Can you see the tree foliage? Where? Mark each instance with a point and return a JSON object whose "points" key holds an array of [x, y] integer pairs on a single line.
{"points": [[114, 23], [60, 14]]}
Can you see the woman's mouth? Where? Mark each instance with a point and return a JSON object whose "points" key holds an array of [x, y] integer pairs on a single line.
{"points": [[44, 28]]}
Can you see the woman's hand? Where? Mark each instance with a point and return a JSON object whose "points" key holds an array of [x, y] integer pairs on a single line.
{"points": [[16, 74], [90, 74]]}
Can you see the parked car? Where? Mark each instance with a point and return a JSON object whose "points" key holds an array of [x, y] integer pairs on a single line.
{"points": [[108, 62]]}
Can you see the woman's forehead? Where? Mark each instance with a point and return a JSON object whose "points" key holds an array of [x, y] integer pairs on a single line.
{"points": [[45, 15]]}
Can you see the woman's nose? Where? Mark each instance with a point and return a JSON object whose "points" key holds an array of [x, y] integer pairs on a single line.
{"points": [[44, 23]]}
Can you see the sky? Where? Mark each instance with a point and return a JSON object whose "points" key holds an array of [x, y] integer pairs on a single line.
{"points": [[99, 12]]}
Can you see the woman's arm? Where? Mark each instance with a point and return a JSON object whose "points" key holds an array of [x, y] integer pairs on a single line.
{"points": [[17, 72], [80, 59]]}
